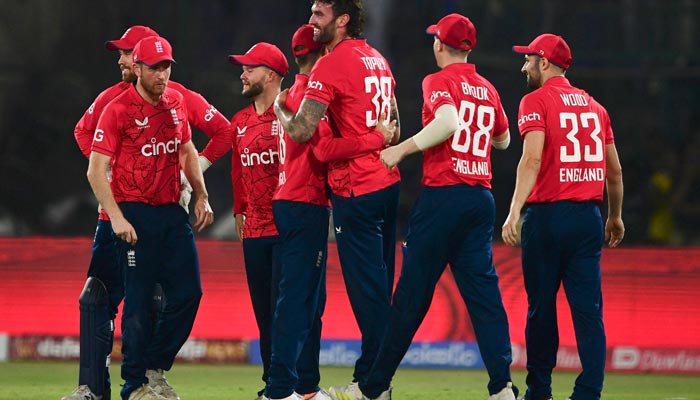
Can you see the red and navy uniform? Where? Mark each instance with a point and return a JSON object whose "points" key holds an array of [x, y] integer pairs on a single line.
{"points": [[301, 211], [355, 82], [562, 233], [452, 223], [201, 115], [143, 141], [254, 174]]}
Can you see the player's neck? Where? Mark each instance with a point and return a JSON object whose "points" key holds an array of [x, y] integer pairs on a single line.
{"points": [[338, 38], [264, 100], [150, 97]]}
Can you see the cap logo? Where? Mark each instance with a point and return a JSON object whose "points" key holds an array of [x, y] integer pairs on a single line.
{"points": [[541, 53], [159, 47]]}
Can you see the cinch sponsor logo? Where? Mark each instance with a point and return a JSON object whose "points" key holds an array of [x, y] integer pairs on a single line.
{"points": [[267, 157], [436, 94], [156, 148], [533, 116], [315, 85], [209, 115]]}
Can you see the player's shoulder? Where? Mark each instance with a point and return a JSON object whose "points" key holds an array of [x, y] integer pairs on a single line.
{"points": [[112, 92], [242, 115]]}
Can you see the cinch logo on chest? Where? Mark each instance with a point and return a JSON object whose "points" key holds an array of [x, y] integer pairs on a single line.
{"points": [[156, 148]]}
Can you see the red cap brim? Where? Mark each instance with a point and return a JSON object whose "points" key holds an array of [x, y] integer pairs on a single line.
{"points": [[432, 29], [522, 50], [113, 45], [249, 62]]}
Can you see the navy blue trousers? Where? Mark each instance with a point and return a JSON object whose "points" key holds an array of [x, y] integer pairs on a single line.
{"points": [[448, 225], [165, 253], [262, 269], [296, 325], [365, 232], [562, 243]]}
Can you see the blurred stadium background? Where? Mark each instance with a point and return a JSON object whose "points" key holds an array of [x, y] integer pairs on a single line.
{"points": [[639, 58]]}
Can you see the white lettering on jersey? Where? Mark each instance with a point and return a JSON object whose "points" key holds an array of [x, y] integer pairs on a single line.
{"points": [[315, 85], [209, 115], [573, 99], [267, 157], [99, 135], [156, 148], [467, 167], [373, 63], [581, 175], [533, 116], [435, 94], [478, 92], [91, 109]]}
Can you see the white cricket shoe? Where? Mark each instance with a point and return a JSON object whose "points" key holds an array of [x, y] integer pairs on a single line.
{"points": [[145, 392], [505, 394], [320, 395], [346, 392], [82, 392], [293, 396], [157, 382]]}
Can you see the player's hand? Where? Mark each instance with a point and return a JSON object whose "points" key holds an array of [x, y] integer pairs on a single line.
{"points": [[391, 156], [240, 223], [185, 192], [510, 232], [124, 230], [614, 231], [203, 213], [386, 128]]}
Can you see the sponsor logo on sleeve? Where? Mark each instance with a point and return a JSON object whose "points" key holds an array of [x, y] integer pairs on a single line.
{"points": [[533, 116], [315, 85], [437, 94]]}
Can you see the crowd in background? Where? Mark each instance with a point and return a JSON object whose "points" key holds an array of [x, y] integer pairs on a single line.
{"points": [[638, 57]]}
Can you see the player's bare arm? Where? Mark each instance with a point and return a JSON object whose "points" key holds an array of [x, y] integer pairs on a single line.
{"points": [[302, 125], [395, 117], [97, 176], [189, 162], [501, 141], [614, 227], [528, 168]]}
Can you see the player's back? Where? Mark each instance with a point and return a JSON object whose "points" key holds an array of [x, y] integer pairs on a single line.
{"points": [[465, 157], [357, 85], [577, 128]]}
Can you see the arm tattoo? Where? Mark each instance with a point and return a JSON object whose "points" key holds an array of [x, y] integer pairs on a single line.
{"points": [[303, 125]]}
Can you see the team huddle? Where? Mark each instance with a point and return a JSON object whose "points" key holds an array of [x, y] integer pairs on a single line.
{"points": [[331, 143]]}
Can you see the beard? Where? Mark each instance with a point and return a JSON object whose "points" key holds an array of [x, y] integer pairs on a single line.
{"points": [[325, 34], [534, 79], [154, 89], [254, 90]]}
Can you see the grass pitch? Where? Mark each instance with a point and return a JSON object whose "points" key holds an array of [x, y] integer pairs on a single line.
{"points": [[51, 380]]}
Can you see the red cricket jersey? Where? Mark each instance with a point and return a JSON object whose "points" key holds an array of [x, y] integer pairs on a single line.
{"points": [[465, 157], [576, 129], [355, 81], [255, 168], [303, 166], [143, 141], [201, 115]]}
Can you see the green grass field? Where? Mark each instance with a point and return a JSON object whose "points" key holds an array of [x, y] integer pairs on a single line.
{"points": [[51, 380]]}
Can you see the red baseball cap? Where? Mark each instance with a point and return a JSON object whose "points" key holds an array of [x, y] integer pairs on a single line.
{"points": [[303, 41], [130, 38], [262, 54], [455, 30], [152, 50], [551, 47]]}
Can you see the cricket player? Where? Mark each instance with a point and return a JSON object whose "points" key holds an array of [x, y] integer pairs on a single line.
{"points": [[452, 220], [568, 158], [144, 136], [300, 207], [354, 85], [104, 289]]}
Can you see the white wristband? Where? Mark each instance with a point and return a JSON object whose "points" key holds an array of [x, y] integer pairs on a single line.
{"points": [[204, 164]]}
